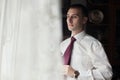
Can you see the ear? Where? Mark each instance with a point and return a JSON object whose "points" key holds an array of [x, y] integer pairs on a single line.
{"points": [[85, 19]]}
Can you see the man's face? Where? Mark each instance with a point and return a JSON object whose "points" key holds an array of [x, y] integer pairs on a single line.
{"points": [[75, 19]]}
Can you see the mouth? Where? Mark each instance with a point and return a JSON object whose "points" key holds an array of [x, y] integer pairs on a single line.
{"points": [[70, 25]]}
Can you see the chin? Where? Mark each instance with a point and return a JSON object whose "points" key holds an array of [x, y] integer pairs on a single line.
{"points": [[70, 29]]}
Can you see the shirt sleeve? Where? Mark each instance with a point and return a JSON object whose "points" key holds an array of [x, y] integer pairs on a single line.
{"points": [[102, 69]]}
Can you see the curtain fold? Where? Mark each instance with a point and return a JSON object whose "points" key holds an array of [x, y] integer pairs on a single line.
{"points": [[30, 34]]}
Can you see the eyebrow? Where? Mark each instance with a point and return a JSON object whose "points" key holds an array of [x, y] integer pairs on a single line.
{"points": [[73, 14]]}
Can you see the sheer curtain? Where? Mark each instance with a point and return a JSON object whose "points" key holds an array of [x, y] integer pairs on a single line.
{"points": [[30, 33]]}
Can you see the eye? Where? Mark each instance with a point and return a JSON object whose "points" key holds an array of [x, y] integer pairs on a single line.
{"points": [[74, 16], [67, 16]]}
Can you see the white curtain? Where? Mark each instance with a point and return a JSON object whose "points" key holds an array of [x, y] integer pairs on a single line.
{"points": [[30, 33]]}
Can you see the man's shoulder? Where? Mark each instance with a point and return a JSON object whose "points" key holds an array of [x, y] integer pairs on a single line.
{"points": [[65, 41], [90, 39]]}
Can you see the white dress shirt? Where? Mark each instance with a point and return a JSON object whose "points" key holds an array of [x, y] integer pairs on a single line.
{"points": [[89, 58]]}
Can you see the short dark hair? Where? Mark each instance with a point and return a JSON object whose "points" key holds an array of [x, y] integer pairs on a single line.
{"points": [[81, 7]]}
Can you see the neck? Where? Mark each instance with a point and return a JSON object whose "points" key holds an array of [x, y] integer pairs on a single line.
{"points": [[76, 32]]}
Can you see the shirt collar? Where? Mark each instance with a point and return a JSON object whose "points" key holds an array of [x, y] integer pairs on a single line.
{"points": [[80, 35]]}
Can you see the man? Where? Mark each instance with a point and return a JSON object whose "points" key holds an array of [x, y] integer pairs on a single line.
{"points": [[88, 59]]}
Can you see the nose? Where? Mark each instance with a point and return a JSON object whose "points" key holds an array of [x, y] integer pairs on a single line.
{"points": [[69, 20]]}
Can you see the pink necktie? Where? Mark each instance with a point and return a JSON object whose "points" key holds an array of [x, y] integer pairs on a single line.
{"points": [[68, 52]]}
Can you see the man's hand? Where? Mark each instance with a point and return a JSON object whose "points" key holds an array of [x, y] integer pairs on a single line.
{"points": [[68, 70]]}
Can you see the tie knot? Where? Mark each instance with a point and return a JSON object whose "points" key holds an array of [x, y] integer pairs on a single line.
{"points": [[73, 39]]}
